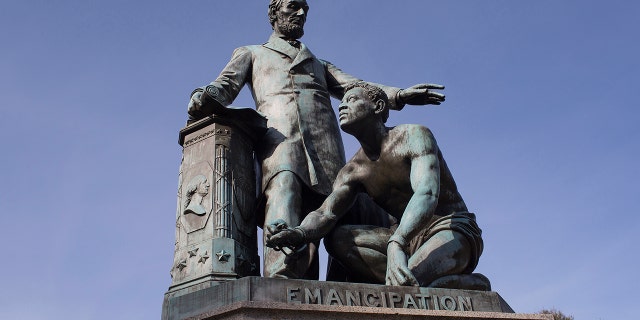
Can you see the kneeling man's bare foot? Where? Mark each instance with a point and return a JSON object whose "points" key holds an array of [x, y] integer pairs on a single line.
{"points": [[474, 281]]}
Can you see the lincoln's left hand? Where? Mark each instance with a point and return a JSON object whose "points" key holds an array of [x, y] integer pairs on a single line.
{"points": [[422, 94]]}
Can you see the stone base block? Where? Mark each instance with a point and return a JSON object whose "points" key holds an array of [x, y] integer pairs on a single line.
{"points": [[274, 310], [263, 298]]}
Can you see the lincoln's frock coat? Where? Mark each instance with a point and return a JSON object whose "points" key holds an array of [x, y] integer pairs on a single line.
{"points": [[292, 88]]}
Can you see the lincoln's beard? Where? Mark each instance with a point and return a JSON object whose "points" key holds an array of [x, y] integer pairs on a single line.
{"points": [[291, 30]]}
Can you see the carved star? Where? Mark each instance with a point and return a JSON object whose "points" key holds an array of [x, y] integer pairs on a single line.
{"points": [[182, 264], [223, 256], [204, 257], [241, 259], [192, 253]]}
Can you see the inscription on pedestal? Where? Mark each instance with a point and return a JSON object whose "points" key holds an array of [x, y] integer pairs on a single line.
{"points": [[378, 299], [328, 299]]}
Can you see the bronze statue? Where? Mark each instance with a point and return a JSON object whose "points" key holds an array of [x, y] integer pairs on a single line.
{"points": [[302, 151], [436, 243]]}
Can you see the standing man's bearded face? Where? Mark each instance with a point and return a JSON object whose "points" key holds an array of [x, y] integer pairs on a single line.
{"points": [[290, 18]]}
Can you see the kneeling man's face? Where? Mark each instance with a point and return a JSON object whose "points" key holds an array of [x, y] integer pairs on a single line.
{"points": [[355, 107]]}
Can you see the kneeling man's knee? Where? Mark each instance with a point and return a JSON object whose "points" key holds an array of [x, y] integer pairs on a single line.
{"points": [[339, 241]]}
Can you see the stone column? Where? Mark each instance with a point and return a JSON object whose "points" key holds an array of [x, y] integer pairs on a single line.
{"points": [[216, 235]]}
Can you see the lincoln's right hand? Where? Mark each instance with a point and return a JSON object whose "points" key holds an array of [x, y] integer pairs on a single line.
{"points": [[195, 106]]}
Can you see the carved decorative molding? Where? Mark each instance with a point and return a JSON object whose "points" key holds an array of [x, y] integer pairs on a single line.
{"points": [[205, 135]]}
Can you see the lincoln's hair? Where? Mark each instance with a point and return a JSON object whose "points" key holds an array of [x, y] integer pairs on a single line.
{"points": [[274, 6], [374, 93]]}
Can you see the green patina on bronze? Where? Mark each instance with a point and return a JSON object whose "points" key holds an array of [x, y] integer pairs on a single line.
{"points": [[302, 151], [436, 241]]}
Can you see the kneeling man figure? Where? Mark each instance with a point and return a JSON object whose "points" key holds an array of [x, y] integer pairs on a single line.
{"points": [[436, 242]]}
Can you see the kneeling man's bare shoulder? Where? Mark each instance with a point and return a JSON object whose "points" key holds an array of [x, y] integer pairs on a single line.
{"points": [[413, 138]]}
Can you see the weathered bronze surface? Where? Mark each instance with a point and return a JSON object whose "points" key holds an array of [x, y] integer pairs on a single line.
{"points": [[302, 151], [436, 242]]}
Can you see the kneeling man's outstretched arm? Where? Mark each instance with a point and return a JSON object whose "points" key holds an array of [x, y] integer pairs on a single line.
{"points": [[319, 222]]}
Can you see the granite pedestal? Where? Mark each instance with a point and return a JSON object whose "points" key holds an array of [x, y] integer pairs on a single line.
{"points": [[263, 298]]}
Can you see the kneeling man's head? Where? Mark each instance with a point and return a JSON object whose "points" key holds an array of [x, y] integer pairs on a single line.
{"points": [[362, 102]]}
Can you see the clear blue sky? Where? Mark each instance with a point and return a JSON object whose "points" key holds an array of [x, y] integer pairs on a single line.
{"points": [[539, 129]]}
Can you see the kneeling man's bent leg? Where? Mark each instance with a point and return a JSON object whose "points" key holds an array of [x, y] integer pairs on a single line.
{"points": [[362, 250], [445, 253]]}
